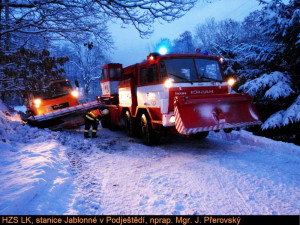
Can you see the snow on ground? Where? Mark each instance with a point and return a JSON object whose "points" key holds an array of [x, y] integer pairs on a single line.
{"points": [[45, 172], [34, 168]]}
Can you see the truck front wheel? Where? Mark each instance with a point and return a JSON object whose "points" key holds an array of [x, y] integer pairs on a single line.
{"points": [[200, 135], [150, 136]]}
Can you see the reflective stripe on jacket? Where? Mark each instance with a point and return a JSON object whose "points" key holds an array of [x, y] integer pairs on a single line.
{"points": [[93, 115]]}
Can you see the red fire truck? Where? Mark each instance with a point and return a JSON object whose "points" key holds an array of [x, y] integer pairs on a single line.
{"points": [[185, 93]]}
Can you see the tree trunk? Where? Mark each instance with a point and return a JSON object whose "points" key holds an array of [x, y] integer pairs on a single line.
{"points": [[7, 38], [1, 7]]}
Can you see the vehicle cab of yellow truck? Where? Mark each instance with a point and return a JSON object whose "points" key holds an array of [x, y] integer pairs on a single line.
{"points": [[57, 95]]}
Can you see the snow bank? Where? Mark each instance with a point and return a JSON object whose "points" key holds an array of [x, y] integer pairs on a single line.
{"points": [[244, 137], [34, 168]]}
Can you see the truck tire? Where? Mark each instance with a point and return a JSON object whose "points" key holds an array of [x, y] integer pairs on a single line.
{"points": [[128, 124], [228, 130], [200, 135], [150, 136], [105, 121]]}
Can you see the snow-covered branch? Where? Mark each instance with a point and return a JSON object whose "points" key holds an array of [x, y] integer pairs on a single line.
{"points": [[273, 85], [284, 117]]}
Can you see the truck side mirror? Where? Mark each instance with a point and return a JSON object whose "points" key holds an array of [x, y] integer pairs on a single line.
{"points": [[76, 83]]}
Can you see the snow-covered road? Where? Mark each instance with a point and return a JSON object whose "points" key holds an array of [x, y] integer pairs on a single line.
{"points": [[45, 172], [225, 174]]}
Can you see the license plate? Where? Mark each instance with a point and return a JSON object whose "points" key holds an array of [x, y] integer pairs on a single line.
{"points": [[60, 106]]}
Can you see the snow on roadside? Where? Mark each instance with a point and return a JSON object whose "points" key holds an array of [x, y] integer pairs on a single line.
{"points": [[34, 172], [247, 138]]}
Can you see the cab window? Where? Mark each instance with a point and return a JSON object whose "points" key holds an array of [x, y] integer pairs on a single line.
{"points": [[163, 71], [143, 76], [104, 74], [148, 76], [115, 73]]}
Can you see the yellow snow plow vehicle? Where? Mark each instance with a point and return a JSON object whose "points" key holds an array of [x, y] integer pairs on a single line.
{"points": [[56, 106]]}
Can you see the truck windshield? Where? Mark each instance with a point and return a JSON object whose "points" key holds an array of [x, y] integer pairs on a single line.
{"points": [[181, 70], [56, 89], [208, 70], [191, 70]]}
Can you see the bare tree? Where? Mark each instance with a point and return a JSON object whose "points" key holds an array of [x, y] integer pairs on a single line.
{"points": [[74, 19], [85, 63], [89, 61], [218, 37], [52, 19], [143, 13], [184, 44]]}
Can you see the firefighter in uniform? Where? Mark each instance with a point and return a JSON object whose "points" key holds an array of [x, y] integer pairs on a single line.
{"points": [[92, 119]]}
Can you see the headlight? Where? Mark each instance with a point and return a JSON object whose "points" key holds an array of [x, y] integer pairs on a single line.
{"points": [[75, 93], [37, 102], [172, 119], [231, 81], [168, 83]]}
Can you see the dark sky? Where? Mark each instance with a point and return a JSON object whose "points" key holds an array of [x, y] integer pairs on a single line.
{"points": [[131, 49]]}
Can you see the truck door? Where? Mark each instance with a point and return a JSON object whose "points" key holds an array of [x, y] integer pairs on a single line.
{"points": [[150, 91]]}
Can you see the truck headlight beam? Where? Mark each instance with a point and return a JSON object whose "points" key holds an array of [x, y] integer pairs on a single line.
{"points": [[172, 119], [75, 93], [231, 81], [37, 102], [168, 83]]}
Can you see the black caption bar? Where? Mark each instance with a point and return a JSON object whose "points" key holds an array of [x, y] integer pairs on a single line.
{"points": [[152, 220]]}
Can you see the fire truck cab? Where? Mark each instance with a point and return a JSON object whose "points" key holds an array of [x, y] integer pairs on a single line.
{"points": [[185, 93]]}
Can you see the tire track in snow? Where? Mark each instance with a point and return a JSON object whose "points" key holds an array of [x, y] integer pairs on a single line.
{"points": [[87, 182], [265, 172], [115, 174]]}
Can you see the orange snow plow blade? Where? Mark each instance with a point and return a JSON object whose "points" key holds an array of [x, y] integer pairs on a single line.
{"points": [[214, 112]]}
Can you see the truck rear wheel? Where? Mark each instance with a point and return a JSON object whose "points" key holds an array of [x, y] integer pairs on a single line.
{"points": [[150, 136], [128, 124], [105, 121]]}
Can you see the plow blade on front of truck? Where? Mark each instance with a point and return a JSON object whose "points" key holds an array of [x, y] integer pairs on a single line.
{"points": [[63, 118], [214, 112]]}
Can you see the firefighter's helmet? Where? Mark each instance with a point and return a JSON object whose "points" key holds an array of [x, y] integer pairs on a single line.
{"points": [[105, 111]]}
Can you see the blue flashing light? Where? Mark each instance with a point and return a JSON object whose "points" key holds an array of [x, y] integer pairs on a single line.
{"points": [[205, 52], [163, 50]]}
